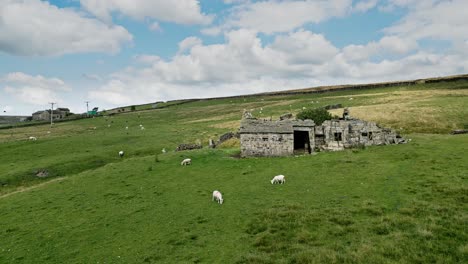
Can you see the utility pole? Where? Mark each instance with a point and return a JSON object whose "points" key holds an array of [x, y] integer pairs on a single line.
{"points": [[51, 113], [87, 108]]}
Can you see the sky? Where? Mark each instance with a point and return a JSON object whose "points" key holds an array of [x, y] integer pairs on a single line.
{"points": [[124, 52]]}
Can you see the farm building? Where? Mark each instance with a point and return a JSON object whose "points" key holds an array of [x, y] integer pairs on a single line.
{"points": [[287, 137], [59, 113]]}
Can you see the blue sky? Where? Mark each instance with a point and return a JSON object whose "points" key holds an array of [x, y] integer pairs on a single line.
{"points": [[119, 52]]}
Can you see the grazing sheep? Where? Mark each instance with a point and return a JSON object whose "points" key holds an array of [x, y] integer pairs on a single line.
{"points": [[33, 138], [278, 179], [163, 150], [186, 162], [126, 127], [218, 197], [142, 128], [121, 153]]}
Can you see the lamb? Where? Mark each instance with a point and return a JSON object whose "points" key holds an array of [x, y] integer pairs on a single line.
{"points": [[33, 138], [121, 153], [218, 197], [278, 179], [186, 162]]}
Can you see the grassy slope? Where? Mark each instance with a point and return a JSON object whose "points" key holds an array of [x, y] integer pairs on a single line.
{"points": [[383, 204]]}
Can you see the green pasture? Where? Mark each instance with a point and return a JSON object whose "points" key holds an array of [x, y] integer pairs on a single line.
{"points": [[382, 204]]}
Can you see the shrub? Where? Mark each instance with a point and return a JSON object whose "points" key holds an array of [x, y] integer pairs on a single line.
{"points": [[132, 108], [318, 115]]}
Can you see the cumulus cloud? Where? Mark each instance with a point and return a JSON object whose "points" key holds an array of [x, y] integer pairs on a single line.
{"points": [[37, 28], [37, 90], [155, 27], [177, 11], [442, 20], [188, 43], [280, 15], [364, 6], [243, 64], [386, 46]]}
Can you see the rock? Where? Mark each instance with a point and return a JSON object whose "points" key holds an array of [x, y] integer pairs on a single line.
{"points": [[182, 147], [459, 131], [247, 115], [286, 116], [42, 173]]}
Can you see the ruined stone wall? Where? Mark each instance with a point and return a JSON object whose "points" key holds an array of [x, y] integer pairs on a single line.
{"points": [[266, 144], [341, 134]]}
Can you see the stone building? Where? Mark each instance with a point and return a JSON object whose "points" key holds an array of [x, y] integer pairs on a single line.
{"points": [[287, 137], [59, 113]]}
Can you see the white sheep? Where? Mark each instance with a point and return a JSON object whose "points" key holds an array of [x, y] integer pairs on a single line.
{"points": [[33, 138], [142, 128], [186, 162], [218, 197], [278, 179], [126, 127], [163, 150], [121, 153]]}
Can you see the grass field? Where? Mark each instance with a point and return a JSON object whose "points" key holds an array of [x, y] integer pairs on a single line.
{"points": [[386, 204]]}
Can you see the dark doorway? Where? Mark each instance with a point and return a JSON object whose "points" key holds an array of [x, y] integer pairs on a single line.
{"points": [[301, 142]]}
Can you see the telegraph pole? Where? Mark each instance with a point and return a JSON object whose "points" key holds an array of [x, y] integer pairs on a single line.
{"points": [[87, 109], [51, 113]]}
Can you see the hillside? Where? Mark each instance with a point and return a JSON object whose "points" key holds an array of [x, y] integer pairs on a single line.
{"points": [[382, 204]]}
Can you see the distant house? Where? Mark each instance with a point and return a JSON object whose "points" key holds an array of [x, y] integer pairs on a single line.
{"points": [[64, 111], [59, 113]]}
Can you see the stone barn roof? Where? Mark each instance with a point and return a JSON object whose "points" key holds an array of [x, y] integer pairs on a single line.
{"points": [[254, 126]]}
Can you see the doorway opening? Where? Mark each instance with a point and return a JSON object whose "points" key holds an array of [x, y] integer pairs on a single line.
{"points": [[302, 142]]}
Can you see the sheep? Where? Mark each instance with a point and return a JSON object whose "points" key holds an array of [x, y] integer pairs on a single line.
{"points": [[142, 128], [121, 153], [278, 179], [218, 197], [126, 127], [186, 162], [163, 150], [33, 138]]}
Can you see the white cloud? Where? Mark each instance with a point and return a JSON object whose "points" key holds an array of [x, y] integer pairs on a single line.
{"points": [[38, 28], [364, 6], [188, 43], [37, 90], [441, 20], [282, 16], [155, 27], [243, 64], [146, 59], [177, 11], [386, 46], [39, 81], [304, 47]]}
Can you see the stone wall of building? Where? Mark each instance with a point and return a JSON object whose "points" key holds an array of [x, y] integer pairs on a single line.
{"points": [[266, 144], [341, 134]]}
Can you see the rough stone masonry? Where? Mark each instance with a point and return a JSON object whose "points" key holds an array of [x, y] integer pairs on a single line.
{"points": [[288, 137]]}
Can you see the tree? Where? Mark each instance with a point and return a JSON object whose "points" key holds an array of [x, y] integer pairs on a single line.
{"points": [[318, 115], [132, 108]]}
